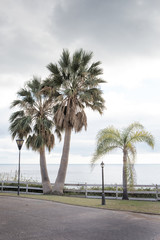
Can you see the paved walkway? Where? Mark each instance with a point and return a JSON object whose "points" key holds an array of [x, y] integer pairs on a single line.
{"points": [[28, 219]]}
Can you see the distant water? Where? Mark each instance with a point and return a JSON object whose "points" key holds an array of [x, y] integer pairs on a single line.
{"points": [[81, 173]]}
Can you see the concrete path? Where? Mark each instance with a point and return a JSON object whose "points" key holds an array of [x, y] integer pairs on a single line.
{"points": [[28, 219]]}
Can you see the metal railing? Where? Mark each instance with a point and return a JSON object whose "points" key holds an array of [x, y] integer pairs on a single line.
{"points": [[112, 191]]}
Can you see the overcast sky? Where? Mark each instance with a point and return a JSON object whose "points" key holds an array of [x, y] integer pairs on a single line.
{"points": [[123, 34]]}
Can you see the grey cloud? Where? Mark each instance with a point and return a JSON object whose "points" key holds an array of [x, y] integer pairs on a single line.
{"points": [[22, 53], [31, 31], [24, 36], [117, 27], [4, 122]]}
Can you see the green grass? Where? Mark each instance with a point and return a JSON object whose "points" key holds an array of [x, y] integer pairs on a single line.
{"points": [[134, 206]]}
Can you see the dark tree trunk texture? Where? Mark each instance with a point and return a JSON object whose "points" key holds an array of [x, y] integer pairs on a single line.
{"points": [[47, 188], [60, 180], [125, 192]]}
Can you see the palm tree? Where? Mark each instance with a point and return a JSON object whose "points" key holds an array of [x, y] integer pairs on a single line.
{"points": [[34, 121], [75, 85], [111, 138]]}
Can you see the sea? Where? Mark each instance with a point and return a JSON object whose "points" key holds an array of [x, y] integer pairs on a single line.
{"points": [[146, 174]]}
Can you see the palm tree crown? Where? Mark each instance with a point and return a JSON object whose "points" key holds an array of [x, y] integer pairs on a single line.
{"points": [[34, 119], [76, 86]]}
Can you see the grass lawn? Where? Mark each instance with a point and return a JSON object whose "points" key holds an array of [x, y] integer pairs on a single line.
{"points": [[122, 205]]}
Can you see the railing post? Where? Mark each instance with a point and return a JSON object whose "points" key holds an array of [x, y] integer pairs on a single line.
{"points": [[116, 191], [26, 187], [2, 187], [85, 190], [157, 192]]}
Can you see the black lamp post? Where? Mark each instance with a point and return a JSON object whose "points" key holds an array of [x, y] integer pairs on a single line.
{"points": [[19, 144], [103, 194]]}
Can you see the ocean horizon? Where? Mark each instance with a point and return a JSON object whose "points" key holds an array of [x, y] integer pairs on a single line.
{"points": [[146, 174]]}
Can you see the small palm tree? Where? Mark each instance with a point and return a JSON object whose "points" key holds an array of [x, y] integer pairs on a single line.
{"points": [[111, 138], [75, 86], [34, 121]]}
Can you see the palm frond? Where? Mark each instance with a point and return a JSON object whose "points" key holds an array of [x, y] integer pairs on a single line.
{"points": [[108, 139], [80, 121], [20, 127], [101, 151], [50, 141], [86, 57], [64, 61], [109, 132], [95, 70], [53, 68], [131, 129], [15, 115], [58, 133], [142, 136], [34, 85], [23, 93], [15, 103]]}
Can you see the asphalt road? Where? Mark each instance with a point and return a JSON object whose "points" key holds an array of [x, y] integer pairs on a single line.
{"points": [[28, 219]]}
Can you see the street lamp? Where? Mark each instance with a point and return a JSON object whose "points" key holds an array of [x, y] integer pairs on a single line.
{"points": [[103, 194], [19, 144]]}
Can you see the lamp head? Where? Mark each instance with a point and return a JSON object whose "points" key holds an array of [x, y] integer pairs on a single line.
{"points": [[19, 143], [102, 164]]}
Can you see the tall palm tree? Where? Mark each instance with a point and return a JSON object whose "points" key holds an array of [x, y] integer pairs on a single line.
{"points": [[111, 138], [75, 84], [34, 121]]}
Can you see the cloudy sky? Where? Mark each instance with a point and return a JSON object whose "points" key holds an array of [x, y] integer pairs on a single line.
{"points": [[123, 34]]}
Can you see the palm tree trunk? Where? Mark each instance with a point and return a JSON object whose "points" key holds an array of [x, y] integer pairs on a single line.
{"points": [[60, 180], [47, 188], [125, 192]]}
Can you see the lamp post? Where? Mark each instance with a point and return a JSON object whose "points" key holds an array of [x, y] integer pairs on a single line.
{"points": [[103, 194], [19, 144]]}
